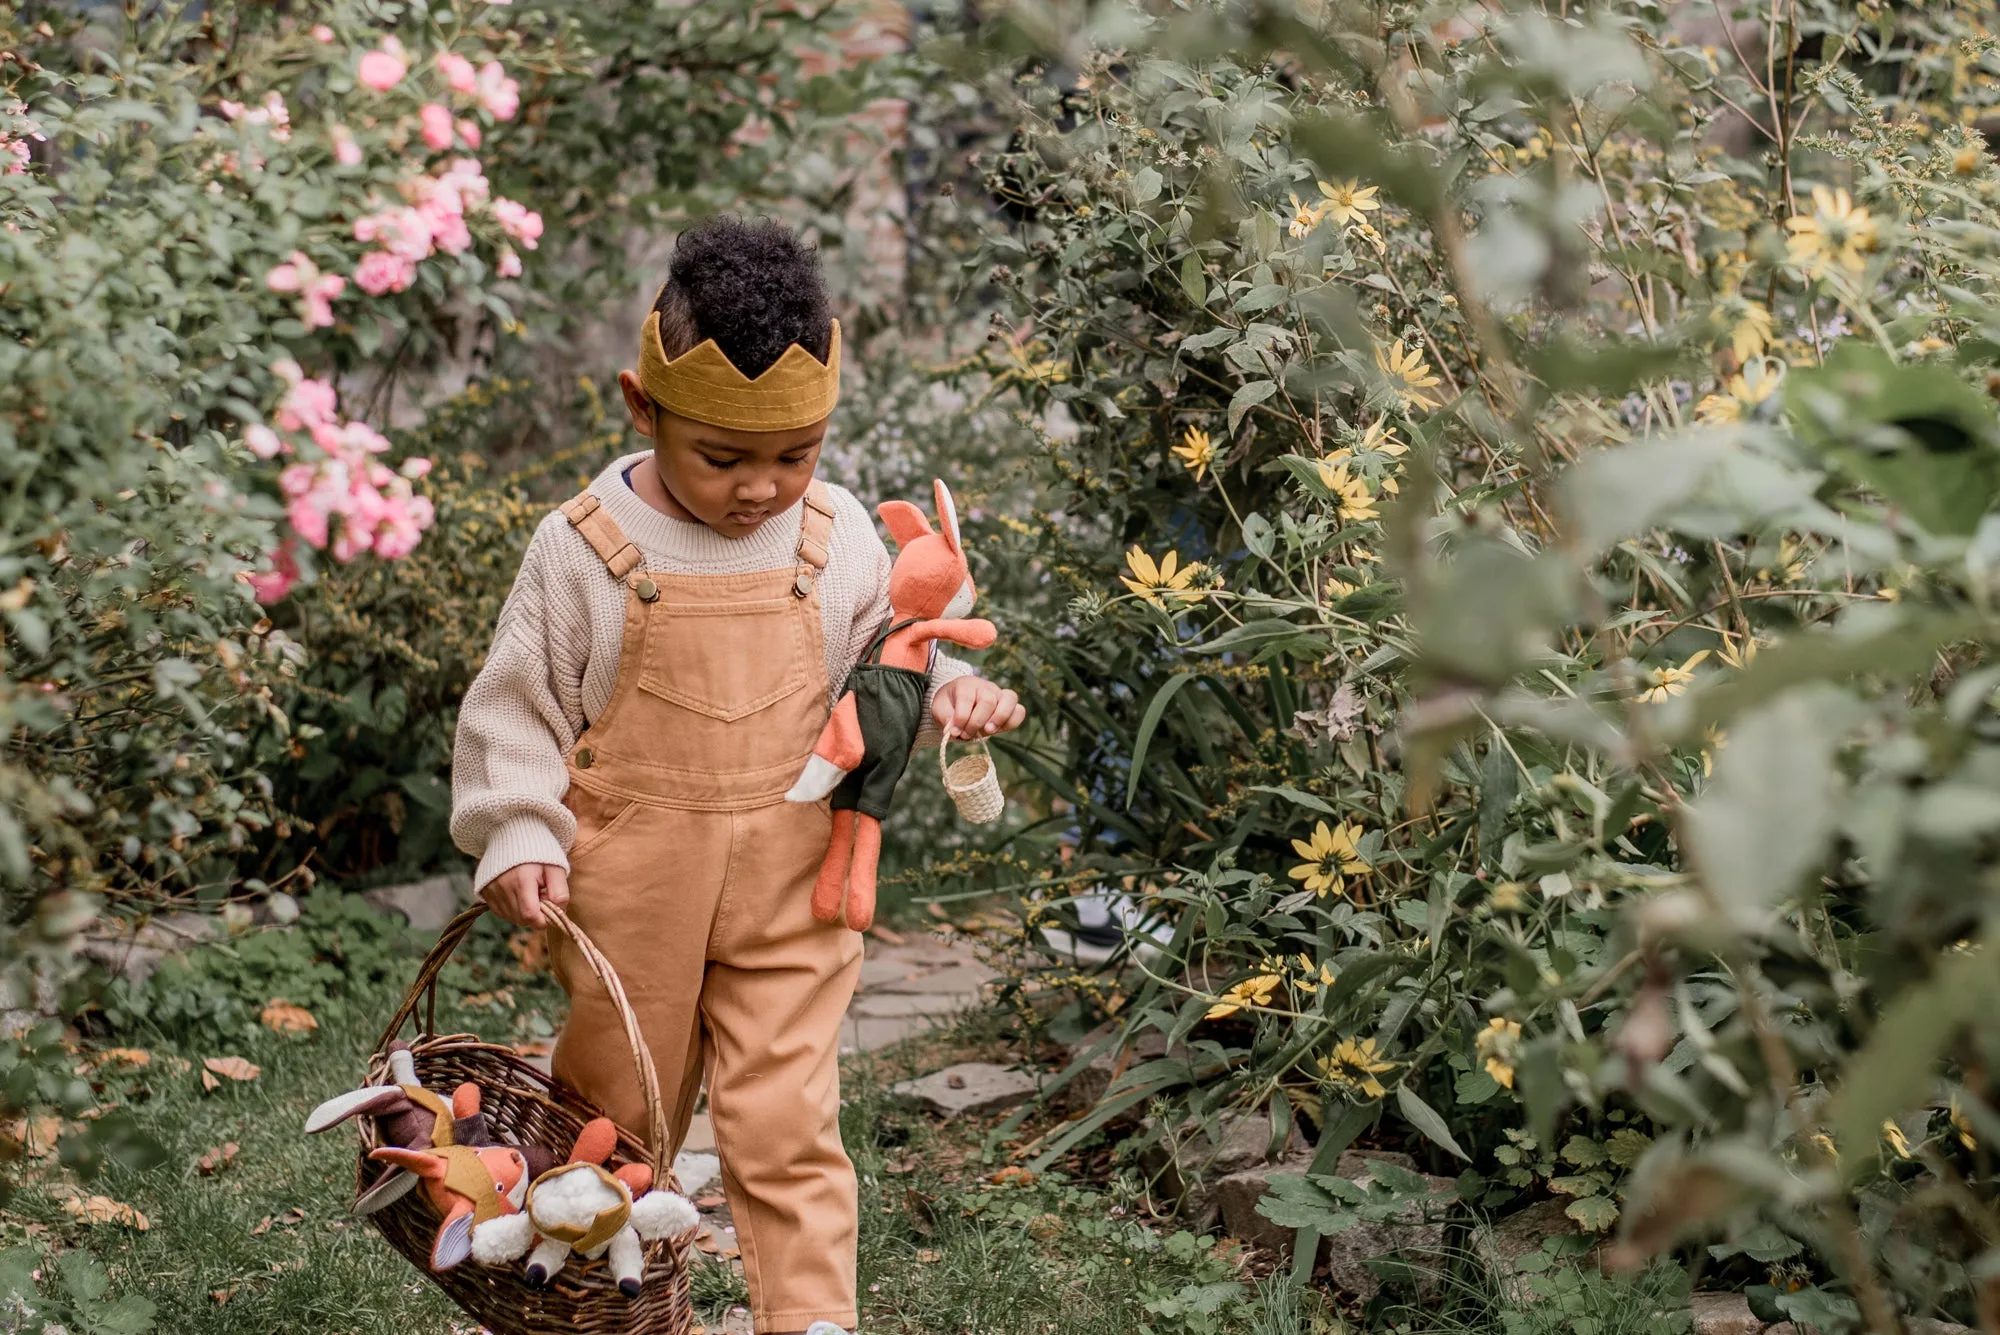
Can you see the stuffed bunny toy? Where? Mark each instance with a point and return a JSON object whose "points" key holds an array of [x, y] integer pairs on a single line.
{"points": [[862, 753], [581, 1208], [470, 1188], [409, 1116]]}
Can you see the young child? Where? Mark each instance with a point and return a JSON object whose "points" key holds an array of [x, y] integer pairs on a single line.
{"points": [[658, 678]]}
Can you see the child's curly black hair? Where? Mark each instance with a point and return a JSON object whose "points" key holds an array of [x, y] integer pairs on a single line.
{"points": [[752, 286]]}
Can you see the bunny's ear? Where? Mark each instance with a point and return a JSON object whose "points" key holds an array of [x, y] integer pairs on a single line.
{"points": [[905, 522], [948, 516], [411, 1161]]}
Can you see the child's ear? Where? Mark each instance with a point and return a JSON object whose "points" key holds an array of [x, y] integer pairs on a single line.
{"points": [[905, 522], [645, 417], [947, 515]]}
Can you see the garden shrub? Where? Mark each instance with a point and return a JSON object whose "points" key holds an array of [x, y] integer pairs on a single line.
{"points": [[1527, 593]]}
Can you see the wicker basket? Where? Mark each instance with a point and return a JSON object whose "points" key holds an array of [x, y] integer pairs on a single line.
{"points": [[522, 1106], [972, 781]]}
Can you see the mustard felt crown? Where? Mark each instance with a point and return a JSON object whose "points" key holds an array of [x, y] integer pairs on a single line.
{"points": [[703, 384]]}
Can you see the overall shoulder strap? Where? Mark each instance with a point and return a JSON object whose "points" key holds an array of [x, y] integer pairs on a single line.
{"points": [[816, 526], [586, 515]]}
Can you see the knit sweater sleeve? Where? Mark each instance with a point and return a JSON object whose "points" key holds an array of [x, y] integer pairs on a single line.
{"points": [[874, 615], [520, 717]]}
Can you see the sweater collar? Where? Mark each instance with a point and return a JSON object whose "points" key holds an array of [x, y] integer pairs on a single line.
{"points": [[771, 546]]}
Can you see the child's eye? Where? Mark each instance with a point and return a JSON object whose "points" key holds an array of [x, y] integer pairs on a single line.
{"points": [[794, 461], [714, 462]]}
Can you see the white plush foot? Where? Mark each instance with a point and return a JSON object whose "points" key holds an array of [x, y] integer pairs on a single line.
{"points": [[503, 1239], [820, 777], [824, 1328], [628, 1262], [546, 1260]]}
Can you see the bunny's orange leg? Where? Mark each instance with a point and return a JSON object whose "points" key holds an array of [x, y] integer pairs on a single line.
{"points": [[831, 886], [861, 879]]}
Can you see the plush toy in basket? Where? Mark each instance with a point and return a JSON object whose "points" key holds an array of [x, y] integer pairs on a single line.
{"points": [[865, 748], [444, 1200]]}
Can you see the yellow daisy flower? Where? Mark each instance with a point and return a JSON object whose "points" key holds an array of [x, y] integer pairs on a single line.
{"points": [[1497, 1044], [1349, 202], [1670, 681], [1197, 451], [1167, 578], [1352, 500], [1749, 327], [1836, 233], [1353, 1066], [1963, 1126], [1380, 438], [1304, 218], [1246, 995], [1330, 855], [1758, 382], [1741, 658], [1409, 372], [1897, 1140], [1311, 980], [1337, 588]]}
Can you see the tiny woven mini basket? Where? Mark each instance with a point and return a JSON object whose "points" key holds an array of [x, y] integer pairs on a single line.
{"points": [[972, 781], [523, 1106]]}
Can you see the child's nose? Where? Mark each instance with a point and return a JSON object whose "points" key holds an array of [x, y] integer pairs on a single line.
{"points": [[763, 489]]}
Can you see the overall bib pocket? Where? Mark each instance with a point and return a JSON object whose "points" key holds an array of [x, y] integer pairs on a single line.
{"points": [[726, 661]]}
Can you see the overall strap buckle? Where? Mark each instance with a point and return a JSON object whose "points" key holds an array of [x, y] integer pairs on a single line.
{"points": [[586, 515], [815, 536]]}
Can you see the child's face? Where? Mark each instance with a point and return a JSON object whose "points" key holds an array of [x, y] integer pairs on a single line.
{"points": [[730, 480]]}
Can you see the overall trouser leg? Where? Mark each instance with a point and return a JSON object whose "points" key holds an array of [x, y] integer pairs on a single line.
{"points": [[778, 986]]}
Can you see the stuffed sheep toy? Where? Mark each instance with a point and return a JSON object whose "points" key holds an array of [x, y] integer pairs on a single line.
{"points": [[580, 1207]]}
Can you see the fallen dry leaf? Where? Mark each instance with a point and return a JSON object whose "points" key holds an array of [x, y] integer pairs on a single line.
{"points": [[502, 998], [217, 1159], [235, 1068], [712, 1201], [286, 1018], [34, 1136], [536, 1047], [291, 1218], [530, 951], [118, 1057], [222, 1296], [888, 936], [104, 1210], [1012, 1174], [930, 1255]]}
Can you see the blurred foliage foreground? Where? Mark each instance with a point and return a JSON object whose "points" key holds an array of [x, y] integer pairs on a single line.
{"points": [[1503, 570]]}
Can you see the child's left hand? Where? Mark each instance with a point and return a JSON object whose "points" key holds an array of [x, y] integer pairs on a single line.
{"points": [[975, 707]]}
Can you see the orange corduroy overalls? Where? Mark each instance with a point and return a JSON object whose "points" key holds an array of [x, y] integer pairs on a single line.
{"points": [[694, 876]]}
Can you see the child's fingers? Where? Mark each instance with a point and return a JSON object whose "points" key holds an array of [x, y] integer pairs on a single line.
{"points": [[1014, 719], [555, 886], [1003, 708], [981, 711]]}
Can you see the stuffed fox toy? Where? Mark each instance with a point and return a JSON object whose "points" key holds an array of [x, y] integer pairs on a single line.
{"points": [[866, 746]]}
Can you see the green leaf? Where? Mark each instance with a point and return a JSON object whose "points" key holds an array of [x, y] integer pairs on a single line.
{"points": [[1248, 397], [130, 1315], [1293, 795], [1626, 1145], [1425, 1119], [1583, 1152], [1155, 708], [1765, 820], [1194, 281], [1595, 1213], [1146, 186]]}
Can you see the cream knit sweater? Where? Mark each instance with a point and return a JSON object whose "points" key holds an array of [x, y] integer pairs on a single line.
{"points": [[555, 650]]}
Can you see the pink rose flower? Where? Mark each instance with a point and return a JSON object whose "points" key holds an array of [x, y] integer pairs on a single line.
{"points": [[345, 151], [401, 231], [469, 132], [316, 305], [458, 73], [263, 442], [230, 110], [448, 230], [308, 403], [436, 122], [415, 466], [380, 272], [500, 95], [384, 67], [271, 585], [510, 264], [321, 33], [518, 221], [290, 276]]}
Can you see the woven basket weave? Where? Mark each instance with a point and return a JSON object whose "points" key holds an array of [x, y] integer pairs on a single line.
{"points": [[524, 1106], [972, 781]]}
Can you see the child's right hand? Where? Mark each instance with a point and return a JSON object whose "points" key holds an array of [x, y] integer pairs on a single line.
{"points": [[518, 893]]}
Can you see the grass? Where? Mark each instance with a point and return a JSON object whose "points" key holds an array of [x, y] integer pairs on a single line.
{"points": [[265, 1244]]}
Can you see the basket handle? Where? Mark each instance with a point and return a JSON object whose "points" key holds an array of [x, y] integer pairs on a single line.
{"points": [[460, 927], [944, 765]]}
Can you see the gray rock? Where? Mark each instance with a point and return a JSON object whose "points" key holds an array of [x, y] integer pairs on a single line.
{"points": [[969, 1089], [1346, 1254], [1502, 1243], [1087, 1086], [1916, 1325], [695, 1171], [1189, 1169], [1723, 1314], [136, 953], [896, 1005], [27, 999], [426, 905]]}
